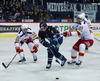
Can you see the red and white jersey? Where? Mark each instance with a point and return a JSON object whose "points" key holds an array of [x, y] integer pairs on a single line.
{"points": [[89, 24], [21, 37], [83, 31]]}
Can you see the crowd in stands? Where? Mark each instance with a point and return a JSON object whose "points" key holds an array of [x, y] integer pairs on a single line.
{"points": [[16, 10], [19, 10]]}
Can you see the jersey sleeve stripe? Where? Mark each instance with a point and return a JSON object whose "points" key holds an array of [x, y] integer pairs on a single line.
{"points": [[78, 32], [36, 38], [17, 42]]}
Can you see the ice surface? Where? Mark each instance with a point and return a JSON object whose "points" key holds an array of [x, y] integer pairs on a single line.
{"points": [[30, 71]]}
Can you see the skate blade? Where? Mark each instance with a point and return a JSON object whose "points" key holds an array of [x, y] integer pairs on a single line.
{"points": [[22, 62]]}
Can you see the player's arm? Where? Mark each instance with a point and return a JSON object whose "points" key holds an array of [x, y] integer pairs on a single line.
{"points": [[90, 26], [76, 33], [35, 41], [17, 44], [42, 39], [35, 36], [56, 34]]}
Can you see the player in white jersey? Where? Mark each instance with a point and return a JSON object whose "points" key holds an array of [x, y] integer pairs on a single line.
{"points": [[26, 35], [86, 39]]}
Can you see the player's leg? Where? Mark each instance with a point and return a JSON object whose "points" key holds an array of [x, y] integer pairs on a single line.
{"points": [[73, 57], [20, 51], [22, 56], [34, 49], [82, 47], [60, 57], [50, 58], [57, 54], [81, 53], [74, 51]]}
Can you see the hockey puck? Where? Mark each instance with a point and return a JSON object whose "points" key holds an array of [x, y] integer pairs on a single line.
{"points": [[57, 78]]}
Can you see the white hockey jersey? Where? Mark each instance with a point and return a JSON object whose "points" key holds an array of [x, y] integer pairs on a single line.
{"points": [[89, 24], [21, 37], [83, 31]]}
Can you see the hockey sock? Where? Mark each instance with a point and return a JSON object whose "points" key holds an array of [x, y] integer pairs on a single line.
{"points": [[34, 55], [21, 54], [74, 55], [81, 52]]}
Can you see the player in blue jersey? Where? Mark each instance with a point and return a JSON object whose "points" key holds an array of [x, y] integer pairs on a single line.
{"points": [[55, 40]]}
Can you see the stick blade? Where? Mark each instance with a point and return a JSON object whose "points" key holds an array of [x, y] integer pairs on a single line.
{"points": [[57, 61], [4, 65]]}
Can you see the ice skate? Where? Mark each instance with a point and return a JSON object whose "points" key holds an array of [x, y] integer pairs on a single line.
{"points": [[63, 62], [35, 58], [22, 60], [48, 66], [79, 63], [71, 62]]}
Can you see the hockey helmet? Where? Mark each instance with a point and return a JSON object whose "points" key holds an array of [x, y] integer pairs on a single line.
{"points": [[81, 16], [24, 26], [43, 25]]}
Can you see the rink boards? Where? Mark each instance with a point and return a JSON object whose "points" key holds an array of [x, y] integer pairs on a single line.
{"points": [[63, 26]]}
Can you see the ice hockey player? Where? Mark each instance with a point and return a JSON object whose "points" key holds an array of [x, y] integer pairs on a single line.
{"points": [[54, 41], [88, 21], [86, 39], [26, 35]]}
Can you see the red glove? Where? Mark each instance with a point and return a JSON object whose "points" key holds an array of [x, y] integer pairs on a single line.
{"points": [[17, 49], [67, 34], [35, 47], [71, 30]]}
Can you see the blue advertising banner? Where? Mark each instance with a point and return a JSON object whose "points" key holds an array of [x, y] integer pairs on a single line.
{"points": [[64, 6], [58, 5]]}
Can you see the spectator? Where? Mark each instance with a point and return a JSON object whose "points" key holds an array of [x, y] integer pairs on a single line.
{"points": [[11, 3], [32, 10], [17, 3], [16, 14], [23, 15], [10, 16], [46, 12], [68, 18], [41, 17], [47, 17], [26, 9], [36, 18], [23, 0], [36, 9], [23, 5], [20, 11], [13, 11], [31, 15], [51, 16], [38, 2], [28, 15], [18, 18], [1, 8]]}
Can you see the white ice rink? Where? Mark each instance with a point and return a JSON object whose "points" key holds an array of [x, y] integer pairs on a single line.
{"points": [[30, 71]]}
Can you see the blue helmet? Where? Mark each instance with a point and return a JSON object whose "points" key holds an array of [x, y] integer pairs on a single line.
{"points": [[43, 25]]}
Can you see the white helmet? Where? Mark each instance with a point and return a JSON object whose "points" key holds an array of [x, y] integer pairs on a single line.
{"points": [[82, 16], [24, 26]]}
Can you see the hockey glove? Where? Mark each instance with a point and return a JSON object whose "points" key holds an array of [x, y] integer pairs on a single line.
{"points": [[71, 30], [17, 49], [35, 48], [67, 34]]}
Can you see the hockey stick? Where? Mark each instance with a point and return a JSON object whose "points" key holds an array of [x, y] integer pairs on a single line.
{"points": [[59, 34], [56, 58], [6, 66], [97, 39]]}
